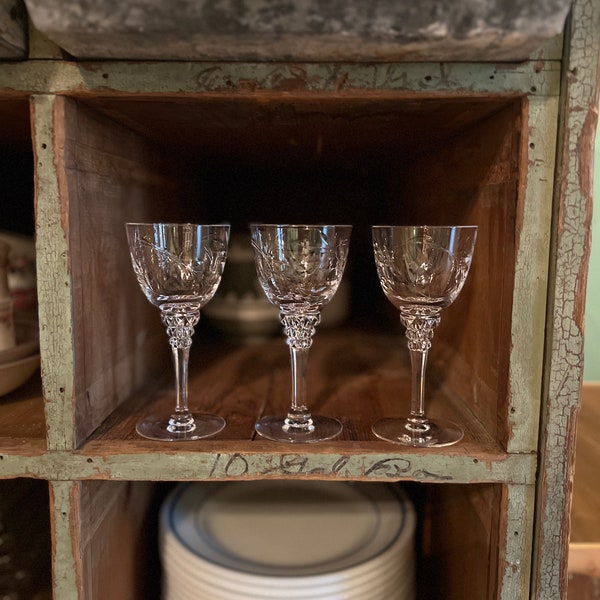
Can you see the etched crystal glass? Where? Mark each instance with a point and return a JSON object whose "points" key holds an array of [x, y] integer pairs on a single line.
{"points": [[421, 270], [299, 268], [179, 268]]}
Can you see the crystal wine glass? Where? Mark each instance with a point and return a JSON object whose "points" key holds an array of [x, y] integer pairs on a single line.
{"points": [[299, 268], [179, 267], [421, 270]]}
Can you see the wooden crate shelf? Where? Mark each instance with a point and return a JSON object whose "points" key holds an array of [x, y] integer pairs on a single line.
{"points": [[505, 146]]}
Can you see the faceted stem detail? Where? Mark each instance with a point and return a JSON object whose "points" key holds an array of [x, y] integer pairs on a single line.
{"points": [[180, 320], [420, 321], [299, 330]]}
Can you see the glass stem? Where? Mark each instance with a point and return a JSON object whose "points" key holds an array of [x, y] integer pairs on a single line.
{"points": [[420, 323], [418, 362], [299, 330], [180, 362], [180, 320], [299, 358]]}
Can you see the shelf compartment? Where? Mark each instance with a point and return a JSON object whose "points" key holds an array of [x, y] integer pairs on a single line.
{"points": [[461, 537], [360, 157], [22, 421]]}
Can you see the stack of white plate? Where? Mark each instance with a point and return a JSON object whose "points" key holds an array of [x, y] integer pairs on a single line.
{"points": [[288, 540]]}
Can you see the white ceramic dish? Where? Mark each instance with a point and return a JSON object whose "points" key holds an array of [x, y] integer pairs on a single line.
{"points": [[398, 559], [281, 539], [14, 374], [306, 528], [395, 583], [395, 586], [392, 589]]}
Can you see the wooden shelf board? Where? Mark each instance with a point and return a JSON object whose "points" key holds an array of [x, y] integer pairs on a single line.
{"points": [[351, 377]]}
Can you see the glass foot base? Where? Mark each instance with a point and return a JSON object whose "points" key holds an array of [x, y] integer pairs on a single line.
{"points": [[274, 428], [155, 427], [402, 431]]}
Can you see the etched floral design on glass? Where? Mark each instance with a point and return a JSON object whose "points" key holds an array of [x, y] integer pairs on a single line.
{"points": [[179, 268], [300, 268], [421, 270]]}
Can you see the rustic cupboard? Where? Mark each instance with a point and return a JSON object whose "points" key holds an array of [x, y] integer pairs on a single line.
{"points": [[506, 146]]}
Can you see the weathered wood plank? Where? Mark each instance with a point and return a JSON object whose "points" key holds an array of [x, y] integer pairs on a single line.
{"points": [[231, 460], [532, 255], [538, 78], [53, 277], [515, 534], [66, 530], [222, 461], [571, 241]]}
